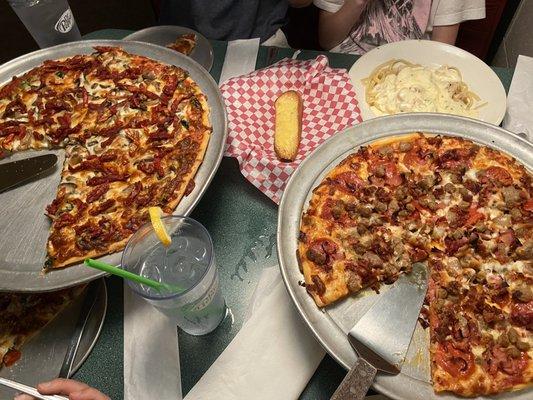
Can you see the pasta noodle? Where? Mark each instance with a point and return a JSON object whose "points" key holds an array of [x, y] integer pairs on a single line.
{"points": [[399, 86]]}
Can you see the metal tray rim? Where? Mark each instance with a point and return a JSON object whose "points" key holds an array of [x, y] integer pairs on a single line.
{"points": [[79, 361], [399, 386]]}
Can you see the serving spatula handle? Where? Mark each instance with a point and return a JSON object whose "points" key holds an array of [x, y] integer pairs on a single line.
{"points": [[356, 383]]}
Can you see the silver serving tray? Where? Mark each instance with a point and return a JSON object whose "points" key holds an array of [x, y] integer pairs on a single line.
{"points": [[330, 325], [23, 225], [166, 34], [42, 357]]}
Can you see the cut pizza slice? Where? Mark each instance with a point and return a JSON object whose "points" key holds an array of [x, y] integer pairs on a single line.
{"points": [[24, 315], [184, 44], [351, 235]]}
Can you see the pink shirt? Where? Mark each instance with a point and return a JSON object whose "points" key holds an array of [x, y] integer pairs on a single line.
{"points": [[386, 21]]}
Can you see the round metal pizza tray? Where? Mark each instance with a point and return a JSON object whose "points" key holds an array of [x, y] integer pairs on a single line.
{"points": [[166, 34], [42, 357], [23, 225], [331, 324]]}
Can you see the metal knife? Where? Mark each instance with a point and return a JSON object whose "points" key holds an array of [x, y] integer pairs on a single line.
{"points": [[381, 337], [20, 171], [85, 312]]}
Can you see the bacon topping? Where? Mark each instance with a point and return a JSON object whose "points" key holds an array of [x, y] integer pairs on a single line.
{"points": [[98, 180], [97, 192], [100, 208]]}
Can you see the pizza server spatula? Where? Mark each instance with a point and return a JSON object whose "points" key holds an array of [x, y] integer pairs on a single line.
{"points": [[382, 336]]}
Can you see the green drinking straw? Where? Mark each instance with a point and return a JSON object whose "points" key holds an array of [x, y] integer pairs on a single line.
{"points": [[131, 276]]}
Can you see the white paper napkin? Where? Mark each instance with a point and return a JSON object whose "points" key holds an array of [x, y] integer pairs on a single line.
{"points": [[519, 118], [151, 359], [271, 358], [241, 57]]}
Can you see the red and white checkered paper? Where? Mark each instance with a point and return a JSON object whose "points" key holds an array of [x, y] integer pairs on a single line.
{"points": [[329, 106]]}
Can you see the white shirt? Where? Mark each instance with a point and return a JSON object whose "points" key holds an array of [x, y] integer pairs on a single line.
{"points": [[443, 12], [386, 21]]}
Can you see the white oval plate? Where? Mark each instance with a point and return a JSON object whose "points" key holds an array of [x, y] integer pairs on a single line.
{"points": [[479, 77]]}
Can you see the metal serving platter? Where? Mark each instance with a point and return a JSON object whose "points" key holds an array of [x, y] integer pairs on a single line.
{"points": [[23, 225], [166, 34], [42, 357], [331, 324]]}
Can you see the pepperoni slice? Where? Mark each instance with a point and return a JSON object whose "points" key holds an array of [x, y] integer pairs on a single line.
{"points": [[392, 176], [414, 157], [348, 181], [497, 174], [528, 205], [522, 314], [322, 252], [458, 363], [508, 237], [11, 357], [474, 216]]}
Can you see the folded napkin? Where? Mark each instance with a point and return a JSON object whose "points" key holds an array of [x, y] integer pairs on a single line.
{"points": [[271, 358], [151, 359], [240, 59], [519, 118], [329, 106]]}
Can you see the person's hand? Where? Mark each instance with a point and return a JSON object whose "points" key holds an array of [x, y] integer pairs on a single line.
{"points": [[72, 389]]}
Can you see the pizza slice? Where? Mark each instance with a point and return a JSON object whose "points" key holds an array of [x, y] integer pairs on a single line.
{"points": [[184, 44], [352, 235], [104, 195], [24, 315]]}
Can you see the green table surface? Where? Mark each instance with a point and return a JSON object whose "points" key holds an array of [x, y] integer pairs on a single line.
{"points": [[242, 222]]}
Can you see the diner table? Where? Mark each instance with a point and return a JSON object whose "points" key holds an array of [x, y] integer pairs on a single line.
{"points": [[242, 222]]}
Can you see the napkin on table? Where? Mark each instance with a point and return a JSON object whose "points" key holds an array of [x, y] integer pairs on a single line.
{"points": [[151, 359], [240, 59], [519, 118], [271, 358]]}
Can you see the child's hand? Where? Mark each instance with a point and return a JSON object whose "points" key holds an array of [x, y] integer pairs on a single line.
{"points": [[72, 389]]}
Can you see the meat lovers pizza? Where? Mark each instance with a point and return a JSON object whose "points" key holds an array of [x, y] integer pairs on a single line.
{"points": [[464, 209], [134, 130]]}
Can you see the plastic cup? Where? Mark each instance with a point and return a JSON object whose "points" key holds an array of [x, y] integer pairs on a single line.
{"points": [[188, 263]]}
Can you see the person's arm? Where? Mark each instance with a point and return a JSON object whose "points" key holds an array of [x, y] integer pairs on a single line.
{"points": [[333, 28], [74, 390], [299, 3], [445, 33]]}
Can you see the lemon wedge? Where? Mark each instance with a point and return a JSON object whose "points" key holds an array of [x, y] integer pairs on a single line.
{"points": [[157, 224]]}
